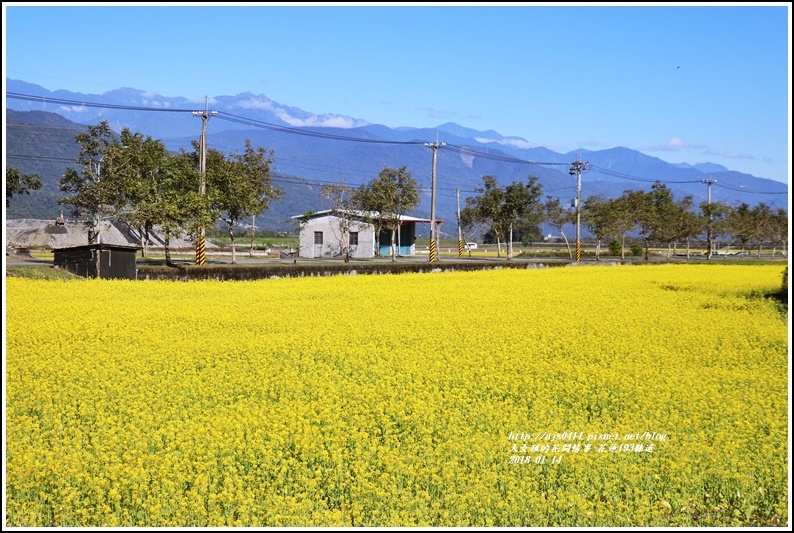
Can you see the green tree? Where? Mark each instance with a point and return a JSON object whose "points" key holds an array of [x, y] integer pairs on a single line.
{"points": [[180, 206], [141, 166], [18, 183], [761, 225], [501, 208], [240, 186], [779, 230], [93, 195], [390, 196], [674, 222], [638, 204], [715, 216], [483, 210], [622, 220], [523, 211], [653, 213], [470, 222], [559, 217], [739, 224], [662, 215], [596, 217], [690, 224], [154, 189]]}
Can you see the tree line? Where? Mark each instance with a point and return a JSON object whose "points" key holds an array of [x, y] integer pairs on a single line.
{"points": [[134, 179], [515, 212], [657, 217]]}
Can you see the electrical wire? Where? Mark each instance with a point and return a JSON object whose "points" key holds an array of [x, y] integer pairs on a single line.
{"points": [[742, 189], [285, 129], [462, 150], [77, 103], [615, 174], [475, 153]]}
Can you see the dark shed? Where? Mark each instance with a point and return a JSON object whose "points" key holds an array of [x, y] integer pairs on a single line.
{"points": [[109, 260]]}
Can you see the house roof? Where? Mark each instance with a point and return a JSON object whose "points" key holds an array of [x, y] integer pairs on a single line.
{"points": [[364, 215]]}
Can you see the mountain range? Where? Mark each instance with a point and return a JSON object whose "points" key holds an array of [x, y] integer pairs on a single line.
{"points": [[312, 149]]}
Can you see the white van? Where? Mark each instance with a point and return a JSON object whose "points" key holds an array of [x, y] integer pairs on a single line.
{"points": [[471, 245]]}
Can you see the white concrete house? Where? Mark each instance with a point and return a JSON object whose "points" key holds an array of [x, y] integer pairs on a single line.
{"points": [[322, 235]]}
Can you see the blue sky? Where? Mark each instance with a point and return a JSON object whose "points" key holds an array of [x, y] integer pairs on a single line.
{"points": [[681, 82]]}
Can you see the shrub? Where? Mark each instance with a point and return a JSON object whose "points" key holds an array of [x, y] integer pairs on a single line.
{"points": [[637, 249], [614, 247]]}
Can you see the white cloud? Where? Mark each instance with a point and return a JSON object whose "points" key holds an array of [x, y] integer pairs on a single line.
{"points": [[209, 101], [518, 143], [320, 121], [674, 144], [73, 109], [253, 103]]}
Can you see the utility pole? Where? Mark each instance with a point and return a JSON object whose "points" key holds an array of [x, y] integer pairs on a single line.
{"points": [[205, 116], [576, 169], [460, 233], [433, 229], [708, 183]]}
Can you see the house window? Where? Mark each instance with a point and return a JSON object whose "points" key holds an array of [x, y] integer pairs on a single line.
{"points": [[353, 238], [318, 237]]}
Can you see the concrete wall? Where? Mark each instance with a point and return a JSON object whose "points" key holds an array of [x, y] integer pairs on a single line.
{"points": [[329, 226]]}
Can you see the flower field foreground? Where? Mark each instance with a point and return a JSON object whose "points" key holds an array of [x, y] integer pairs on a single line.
{"points": [[598, 396]]}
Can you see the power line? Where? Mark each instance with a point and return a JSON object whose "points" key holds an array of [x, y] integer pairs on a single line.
{"points": [[42, 158], [44, 99], [285, 129], [615, 174], [462, 150], [742, 189], [468, 151], [600, 170]]}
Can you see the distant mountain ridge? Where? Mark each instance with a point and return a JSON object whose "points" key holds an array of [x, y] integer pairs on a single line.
{"points": [[335, 148]]}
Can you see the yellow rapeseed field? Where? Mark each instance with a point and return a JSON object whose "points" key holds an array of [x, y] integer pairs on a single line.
{"points": [[598, 396]]}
